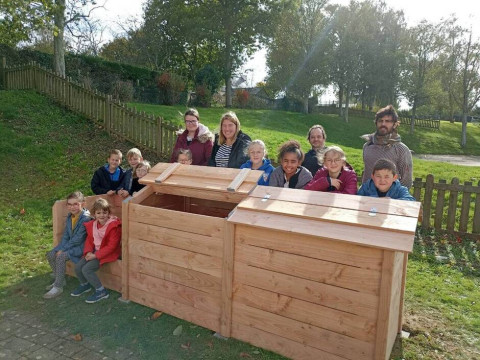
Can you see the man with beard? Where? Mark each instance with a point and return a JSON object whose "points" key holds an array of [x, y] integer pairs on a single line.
{"points": [[314, 158], [385, 143]]}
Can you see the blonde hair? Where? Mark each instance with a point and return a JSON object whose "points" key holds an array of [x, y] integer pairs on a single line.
{"points": [[101, 204], [230, 116], [259, 143], [187, 152], [144, 163], [134, 151], [115, 152], [76, 195], [336, 150]]}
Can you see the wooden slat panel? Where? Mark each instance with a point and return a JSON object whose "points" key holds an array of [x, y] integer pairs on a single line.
{"points": [[382, 239], [200, 193], [113, 268], [361, 203], [199, 300], [187, 259], [179, 239], [362, 280], [198, 224], [326, 295], [360, 219], [352, 325], [314, 247], [176, 309], [176, 274], [284, 346], [125, 255], [227, 280], [439, 207], [309, 335], [163, 201]]}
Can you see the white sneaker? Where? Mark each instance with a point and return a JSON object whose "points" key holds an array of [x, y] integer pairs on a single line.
{"points": [[53, 293], [48, 287]]}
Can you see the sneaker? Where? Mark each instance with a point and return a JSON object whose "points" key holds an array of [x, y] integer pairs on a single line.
{"points": [[81, 289], [53, 293], [48, 287], [99, 295]]}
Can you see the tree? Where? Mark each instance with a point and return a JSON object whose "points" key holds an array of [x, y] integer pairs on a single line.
{"points": [[298, 54]]}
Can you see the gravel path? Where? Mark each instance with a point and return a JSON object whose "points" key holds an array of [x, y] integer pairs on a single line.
{"points": [[465, 160]]}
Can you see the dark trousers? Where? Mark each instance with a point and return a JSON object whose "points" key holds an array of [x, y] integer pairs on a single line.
{"points": [[86, 272]]}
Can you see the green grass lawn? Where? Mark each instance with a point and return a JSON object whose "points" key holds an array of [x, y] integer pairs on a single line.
{"points": [[49, 152]]}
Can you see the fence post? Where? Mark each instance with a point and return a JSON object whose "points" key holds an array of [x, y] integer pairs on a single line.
{"points": [[427, 201], [159, 136], [4, 73], [108, 113], [452, 206], [476, 214]]}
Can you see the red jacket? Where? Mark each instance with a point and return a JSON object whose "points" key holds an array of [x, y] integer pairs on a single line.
{"points": [[110, 248], [201, 145], [321, 182]]}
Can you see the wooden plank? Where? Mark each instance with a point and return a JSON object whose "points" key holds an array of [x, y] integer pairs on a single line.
{"points": [[110, 281], [125, 253], [352, 325], [360, 203], [187, 259], [314, 212], [402, 293], [198, 300], [241, 176], [427, 201], [465, 209], [395, 303], [200, 193], [452, 206], [476, 214], [165, 201], [306, 334], [439, 208], [212, 204], [110, 276], [311, 246], [326, 295], [227, 280], [377, 238], [59, 219], [179, 239], [199, 224], [281, 345], [348, 277], [176, 274], [167, 172], [176, 309], [143, 194]]}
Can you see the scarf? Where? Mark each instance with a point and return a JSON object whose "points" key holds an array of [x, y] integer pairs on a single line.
{"points": [[387, 140]]}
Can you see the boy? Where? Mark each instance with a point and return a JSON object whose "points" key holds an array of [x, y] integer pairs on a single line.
{"points": [[384, 183], [108, 178], [134, 157], [71, 245]]}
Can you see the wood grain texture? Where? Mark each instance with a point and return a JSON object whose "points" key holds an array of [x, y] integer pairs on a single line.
{"points": [[227, 280]]}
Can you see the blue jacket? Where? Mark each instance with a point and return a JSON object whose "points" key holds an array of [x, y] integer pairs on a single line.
{"points": [[73, 240], [396, 191], [267, 170], [102, 182]]}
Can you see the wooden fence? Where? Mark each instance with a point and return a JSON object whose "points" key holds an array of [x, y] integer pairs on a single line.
{"points": [[143, 130], [423, 123], [453, 207]]}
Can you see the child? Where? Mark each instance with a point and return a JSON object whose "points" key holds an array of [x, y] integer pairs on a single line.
{"points": [[257, 152], [142, 169], [335, 176], [184, 156], [101, 246], [290, 173], [134, 156], [71, 245], [385, 183], [109, 177]]}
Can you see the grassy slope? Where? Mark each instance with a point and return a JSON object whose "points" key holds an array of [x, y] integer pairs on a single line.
{"points": [[49, 152]]}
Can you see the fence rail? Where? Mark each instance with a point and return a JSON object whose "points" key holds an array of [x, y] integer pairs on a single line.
{"points": [[143, 130], [453, 207]]}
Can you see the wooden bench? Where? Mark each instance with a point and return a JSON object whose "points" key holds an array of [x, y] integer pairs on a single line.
{"points": [[110, 274]]}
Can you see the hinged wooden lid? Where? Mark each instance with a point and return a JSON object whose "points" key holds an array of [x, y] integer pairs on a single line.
{"points": [[383, 223], [204, 182]]}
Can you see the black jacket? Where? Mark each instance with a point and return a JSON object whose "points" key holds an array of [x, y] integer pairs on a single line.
{"points": [[101, 182], [238, 155]]}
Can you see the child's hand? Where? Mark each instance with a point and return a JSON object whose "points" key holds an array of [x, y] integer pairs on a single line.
{"points": [[58, 252], [110, 192], [335, 183], [123, 193], [90, 256]]}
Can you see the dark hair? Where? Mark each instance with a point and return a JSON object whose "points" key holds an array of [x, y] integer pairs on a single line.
{"points": [[101, 204], [290, 146], [384, 164], [76, 195], [387, 110], [320, 127], [187, 152], [192, 112]]}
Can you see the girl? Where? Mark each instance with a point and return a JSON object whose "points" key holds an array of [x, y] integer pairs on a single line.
{"points": [[290, 173], [335, 176], [101, 246], [184, 156], [142, 169], [257, 152]]}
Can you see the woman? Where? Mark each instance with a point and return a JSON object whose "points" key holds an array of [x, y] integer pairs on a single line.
{"points": [[230, 148], [196, 137]]}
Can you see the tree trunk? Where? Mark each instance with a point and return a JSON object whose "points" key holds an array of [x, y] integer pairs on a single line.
{"points": [[347, 104], [414, 114], [305, 105], [58, 41], [228, 72], [340, 100], [464, 130]]}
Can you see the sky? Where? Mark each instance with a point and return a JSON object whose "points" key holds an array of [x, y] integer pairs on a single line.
{"points": [[467, 11]]}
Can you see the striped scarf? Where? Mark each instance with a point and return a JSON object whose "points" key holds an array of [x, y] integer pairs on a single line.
{"points": [[388, 139]]}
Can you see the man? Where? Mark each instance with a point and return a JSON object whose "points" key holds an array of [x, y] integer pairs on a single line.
{"points": [[385, 143], [314, 158]]}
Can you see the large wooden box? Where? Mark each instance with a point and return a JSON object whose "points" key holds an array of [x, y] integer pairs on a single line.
{"points": [[319, 275]]}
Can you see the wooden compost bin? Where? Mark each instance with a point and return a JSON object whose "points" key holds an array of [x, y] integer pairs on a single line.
{"points": [[110, 274], [175, 251], [319, 275]]}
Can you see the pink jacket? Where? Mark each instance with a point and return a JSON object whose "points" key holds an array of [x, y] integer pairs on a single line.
{"points": [[321, 182]]}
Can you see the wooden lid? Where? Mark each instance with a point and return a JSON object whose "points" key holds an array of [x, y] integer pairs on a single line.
{"points": [[382, 223], [223, 184]]}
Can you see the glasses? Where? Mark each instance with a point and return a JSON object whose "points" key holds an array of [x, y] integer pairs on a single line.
{"points": [[191, 122], [333, 161], [74, 204]]}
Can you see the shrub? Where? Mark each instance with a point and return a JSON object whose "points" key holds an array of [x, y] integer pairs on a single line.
{"points": [[170, 86], [241, 98], [202, 97], [123, 90]]}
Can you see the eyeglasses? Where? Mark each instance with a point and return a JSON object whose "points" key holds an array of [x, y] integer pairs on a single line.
{"points": [[333, 161], [191, 122], [74, 204]]}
